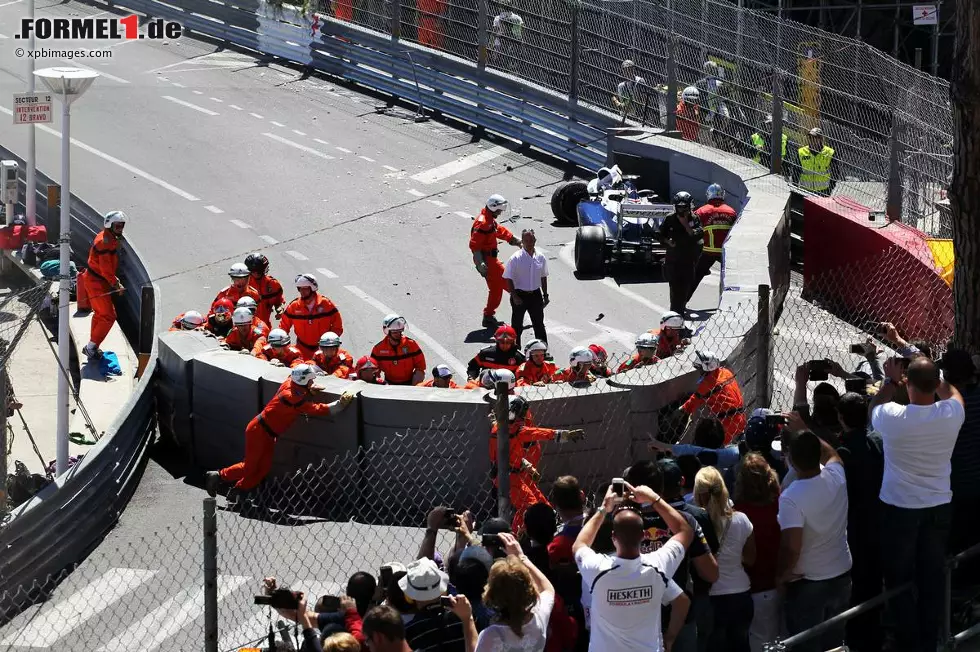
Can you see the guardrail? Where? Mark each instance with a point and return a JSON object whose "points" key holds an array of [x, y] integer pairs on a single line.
{"points": [[56, 529]]}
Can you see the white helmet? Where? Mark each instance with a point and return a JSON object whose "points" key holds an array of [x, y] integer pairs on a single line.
{"points": [[581, 355], [627, 64], [307, 281], [329, 339], [393, 322], [241, 316], [238, 270], [646, 341], [691, 94], [114, 217], [715, 191], [535, 345], [671, 319], [497, 203], [302, 374], [711, 67], [707, 361], [278, 337], [247, 302], [490, 377], [191, 319]]}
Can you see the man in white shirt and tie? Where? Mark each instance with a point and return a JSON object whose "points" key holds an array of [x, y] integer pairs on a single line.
{"points": [[526, 275]]}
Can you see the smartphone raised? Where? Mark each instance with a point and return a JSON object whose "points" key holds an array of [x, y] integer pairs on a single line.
{"points": [[446, 602], [489, 540], [386, 575], [858, 349], [619, 486], [857, 385], [329, 604], [449, 521], [818, 369], [279, 599]]}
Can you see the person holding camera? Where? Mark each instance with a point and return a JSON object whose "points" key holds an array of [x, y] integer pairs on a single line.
{"points": [[628, 588], [918, 441], [822, 418], [333, 616], [434, 626], [814, 567]]}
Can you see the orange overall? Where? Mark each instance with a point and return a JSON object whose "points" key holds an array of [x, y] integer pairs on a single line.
{"points": [[530, 373], [103, 260], [525, 444], [719, 393], [430, 22], [311, 322], [635, 362], [431, 383], [270, 296], [339, 365], [233, 294], [262, 432], [399, 363], [483, 237], [289, 356], [254, 338]]}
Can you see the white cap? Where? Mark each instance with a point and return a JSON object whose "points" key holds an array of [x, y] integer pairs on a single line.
{"points": [[442, 371], [241, 316]]}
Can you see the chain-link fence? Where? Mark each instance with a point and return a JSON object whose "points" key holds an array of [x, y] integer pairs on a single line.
{"points": [[756, 77]]}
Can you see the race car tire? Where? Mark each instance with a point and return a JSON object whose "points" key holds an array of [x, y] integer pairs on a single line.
{"points": [[556, 203], [590, 244], [575, 192]]}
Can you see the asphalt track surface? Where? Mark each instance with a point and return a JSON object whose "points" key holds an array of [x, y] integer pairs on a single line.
{"points": [[214, 153]]}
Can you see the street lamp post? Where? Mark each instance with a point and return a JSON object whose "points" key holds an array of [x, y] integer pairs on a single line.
{"points": [[31, 192], [68, 84]]}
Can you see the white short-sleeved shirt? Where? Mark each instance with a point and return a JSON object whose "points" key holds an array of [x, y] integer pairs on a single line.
{"points": [[819, 506], [732, 577], [918, 442], [525, 270], [627, 595], [501, 638]]}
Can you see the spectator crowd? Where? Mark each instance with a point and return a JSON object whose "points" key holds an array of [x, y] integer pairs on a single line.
{"points": [[726, 543]]}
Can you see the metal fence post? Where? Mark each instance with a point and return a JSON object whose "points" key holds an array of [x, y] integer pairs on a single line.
{"points": [[776, 137], [893, 206], [481, 35], [573, 63], [210, 575], [763, 383], [3, 443], [671, 99], [395, 24], [502, 414]]}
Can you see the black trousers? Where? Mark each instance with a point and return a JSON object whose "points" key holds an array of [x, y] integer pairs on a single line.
{"points": [[705, 262], [532, 303], [679, 270]]}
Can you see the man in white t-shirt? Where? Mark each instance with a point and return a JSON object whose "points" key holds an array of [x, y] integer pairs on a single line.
{"points": [[814, 560], [918, 441], [628, 588]]}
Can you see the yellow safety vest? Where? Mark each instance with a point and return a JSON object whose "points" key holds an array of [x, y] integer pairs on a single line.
{"points": [[815, 168], [760, 146]]}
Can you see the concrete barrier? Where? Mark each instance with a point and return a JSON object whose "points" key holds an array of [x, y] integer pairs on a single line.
{"points": [[401, 449]]}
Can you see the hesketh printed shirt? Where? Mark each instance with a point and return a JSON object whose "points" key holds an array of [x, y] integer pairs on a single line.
{"points": [[627, 595]]}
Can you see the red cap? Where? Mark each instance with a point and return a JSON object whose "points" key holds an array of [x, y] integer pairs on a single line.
{"points": [[599, 352], [505, 331], [365, 362]]}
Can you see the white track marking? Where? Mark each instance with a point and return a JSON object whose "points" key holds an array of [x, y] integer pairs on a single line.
{"points": [[440, 204], [278, 124], [256, 115], [344, 150], [240, 224], [112, 159], [298, 132], [459, 165], [435, 349], [325, 272], [302, 148], [235, 106], [214, 99], [198, 92], [269, 239], [321, 141], [161, 624], [175, 84], [566, 255], [391, 168], [214, 209], [297, 255], [190, 106], [369, 160], [464, 215], [74, 64], [47, 626], [415, 193]]}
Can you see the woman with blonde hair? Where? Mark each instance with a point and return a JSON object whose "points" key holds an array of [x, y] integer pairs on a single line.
{"points": [[731, 599], [522, 597], [757, 496]]}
